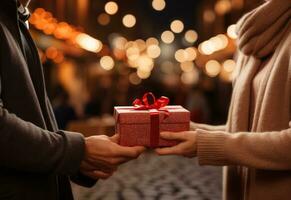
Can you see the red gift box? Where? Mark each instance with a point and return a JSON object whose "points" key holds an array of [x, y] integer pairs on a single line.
{"points": [[141, 125]]}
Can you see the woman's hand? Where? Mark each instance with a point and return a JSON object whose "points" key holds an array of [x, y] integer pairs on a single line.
{"points": [[187, 144]]}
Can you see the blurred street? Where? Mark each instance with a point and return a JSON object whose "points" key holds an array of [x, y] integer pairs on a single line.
{"points": [[157, 178]]}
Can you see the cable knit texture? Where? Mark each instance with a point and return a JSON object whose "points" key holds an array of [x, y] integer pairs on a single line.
{"points": [[256, 144]]}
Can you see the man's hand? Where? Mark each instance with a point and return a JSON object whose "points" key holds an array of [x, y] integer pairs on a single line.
{"points": [[103, 156], [187, 146]]}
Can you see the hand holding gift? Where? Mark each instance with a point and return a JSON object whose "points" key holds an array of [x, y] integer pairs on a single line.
{"points": [[103, 155], [141, 124], [187, 145]]}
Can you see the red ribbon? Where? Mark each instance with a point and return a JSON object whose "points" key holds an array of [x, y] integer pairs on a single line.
{"points": [[154, 109]]}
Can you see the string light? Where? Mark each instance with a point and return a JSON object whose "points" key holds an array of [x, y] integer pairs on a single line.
{"points": [[222, 7], [191, 36], [212, 68], [181, 55], [208, 16], [129, 20], [103, 19], [152, 41], [111, 8], [167, 37], [177, 26], [153, 51], [191, 53], [159, 5], [89, 43], [143, 74], [106, 62]]}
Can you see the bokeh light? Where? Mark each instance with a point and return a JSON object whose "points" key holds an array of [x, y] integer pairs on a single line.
{"points": [[191, 36], [89, 43], [231, 31], [212, 68], [111, 8], [229, 65], [129, 20], [153, 51], [177, 26], [103, 19], [159, 5], [106, 62], [167, 37]]}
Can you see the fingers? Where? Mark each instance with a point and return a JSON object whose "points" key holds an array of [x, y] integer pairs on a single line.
{"points": [[131, 152], [173, 135], [97, 174], [174, 150]]}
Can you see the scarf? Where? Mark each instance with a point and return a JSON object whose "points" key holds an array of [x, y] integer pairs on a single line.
{"points": [[260, 30]]}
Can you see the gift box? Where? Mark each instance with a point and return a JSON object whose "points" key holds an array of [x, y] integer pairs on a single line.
{"points": [[141, 124]]}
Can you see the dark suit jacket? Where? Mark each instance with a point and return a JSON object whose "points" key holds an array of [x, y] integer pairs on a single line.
{"points": [[36, 158]]}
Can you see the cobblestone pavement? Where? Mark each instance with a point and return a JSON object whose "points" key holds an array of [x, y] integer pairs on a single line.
{"points": [[151, 177]]}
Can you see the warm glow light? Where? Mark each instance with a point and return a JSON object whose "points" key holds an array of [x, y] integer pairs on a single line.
{"points": [[222, 7], [181, 55], [51, 52], [88, 43], [134, 79], [119, 42], [153, 51], [191, 53], [187, 66], [129, 21], [206, 48], [145, 63], [190, 78], [214, 44], [228, 65], [212, 68], [208, 16], [177, 26], [132, 53], [141, 44], [106, 62], [159, 4], [143, 74], [103, 19], [111, 8], [167, 37], [231, 31], [191, 36], [151, 41]]}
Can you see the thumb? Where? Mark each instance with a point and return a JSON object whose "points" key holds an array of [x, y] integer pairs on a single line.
{"points": [[173, 135], [115, 138]]}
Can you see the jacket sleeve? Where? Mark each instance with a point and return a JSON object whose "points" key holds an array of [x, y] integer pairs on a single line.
{"points": [[264, 150], [26, 147]]}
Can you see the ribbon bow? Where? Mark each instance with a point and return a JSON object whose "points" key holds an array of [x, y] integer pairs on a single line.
{"points": [[143, 104]]}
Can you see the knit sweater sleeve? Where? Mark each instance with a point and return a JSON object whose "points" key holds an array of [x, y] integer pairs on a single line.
{"points": [[194, 126], [264, 150]]}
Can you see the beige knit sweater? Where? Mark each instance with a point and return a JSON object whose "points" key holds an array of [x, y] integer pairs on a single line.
{"points": [[255, 144]]}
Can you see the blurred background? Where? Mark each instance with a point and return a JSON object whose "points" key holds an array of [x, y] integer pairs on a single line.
{"points": [[101, 53]]}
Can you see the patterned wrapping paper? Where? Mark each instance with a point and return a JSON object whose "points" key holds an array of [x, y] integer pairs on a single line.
{"points": [[135, 126]]}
